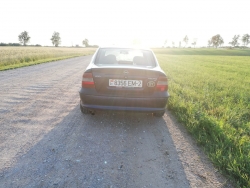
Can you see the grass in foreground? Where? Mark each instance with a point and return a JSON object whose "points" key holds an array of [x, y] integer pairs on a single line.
{"points": [[210, 95], [14, 57]]}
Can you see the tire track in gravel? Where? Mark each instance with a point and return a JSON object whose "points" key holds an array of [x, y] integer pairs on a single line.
{"points": [[45, 141]]}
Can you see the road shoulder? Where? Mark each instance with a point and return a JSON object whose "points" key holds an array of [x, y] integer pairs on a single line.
{"points": [[199, 170]]}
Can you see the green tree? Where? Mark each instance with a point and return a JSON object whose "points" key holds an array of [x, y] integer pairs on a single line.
{"points": [[185, 40], [24, 38], [234, 41], [246, 39], [217, 40], [56, 39], [85, 42]]}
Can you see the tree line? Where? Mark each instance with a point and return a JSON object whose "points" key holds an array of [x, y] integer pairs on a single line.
{"points": [[217, 41], [24, 39]]}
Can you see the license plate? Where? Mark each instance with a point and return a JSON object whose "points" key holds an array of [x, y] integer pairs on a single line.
{"points": [[125, 83]]}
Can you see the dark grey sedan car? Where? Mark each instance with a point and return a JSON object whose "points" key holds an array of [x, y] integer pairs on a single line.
{"points": [[124, 79]]}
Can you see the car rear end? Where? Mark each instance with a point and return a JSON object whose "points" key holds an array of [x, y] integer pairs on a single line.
{"points": [[124, 79]]}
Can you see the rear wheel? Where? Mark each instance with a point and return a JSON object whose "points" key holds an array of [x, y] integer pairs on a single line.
{"points": [[84, 110], [159, 114]]}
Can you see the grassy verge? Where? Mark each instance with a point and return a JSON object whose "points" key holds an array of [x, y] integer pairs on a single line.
{"points": [[14, 57], [210, 95]]}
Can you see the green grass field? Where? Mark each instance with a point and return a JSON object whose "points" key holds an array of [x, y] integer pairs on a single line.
{"points": [[210, 94], [14, 57]]}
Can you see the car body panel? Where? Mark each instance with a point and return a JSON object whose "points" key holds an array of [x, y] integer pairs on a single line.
{"points": [[103, 96]]}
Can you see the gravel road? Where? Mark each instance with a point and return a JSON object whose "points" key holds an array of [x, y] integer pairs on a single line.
{"points": [[45, 141]]}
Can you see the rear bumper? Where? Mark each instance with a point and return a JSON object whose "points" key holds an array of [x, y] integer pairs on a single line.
{"points": [[147, 104]]}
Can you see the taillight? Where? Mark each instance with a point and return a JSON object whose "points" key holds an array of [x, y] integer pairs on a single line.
{"points": [[87, 80], [162, 84]]}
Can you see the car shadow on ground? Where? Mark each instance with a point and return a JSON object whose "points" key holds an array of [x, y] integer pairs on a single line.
{"points": [[108, 149]]}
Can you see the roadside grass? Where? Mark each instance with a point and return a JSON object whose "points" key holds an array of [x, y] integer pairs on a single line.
{"points": [[211, 96], [14, 57]]}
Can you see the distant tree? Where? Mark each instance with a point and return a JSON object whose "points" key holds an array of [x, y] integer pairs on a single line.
{"points": [[173, 44], [10, 44], [165, 43], [185, 40], [194, 42], [24, 38], [56, 39], [234, 41], [245, 39], [221, 41], [85, 42], [209, 43], [217, 40], [180, 44]]}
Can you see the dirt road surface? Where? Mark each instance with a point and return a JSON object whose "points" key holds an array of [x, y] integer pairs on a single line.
{"points": [[45, 141]]}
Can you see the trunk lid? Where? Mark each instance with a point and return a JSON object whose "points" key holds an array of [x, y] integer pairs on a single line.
{"points": [[103, 75]]}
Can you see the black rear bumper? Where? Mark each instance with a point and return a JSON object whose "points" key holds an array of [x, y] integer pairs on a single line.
{"points": [[142, 104]]}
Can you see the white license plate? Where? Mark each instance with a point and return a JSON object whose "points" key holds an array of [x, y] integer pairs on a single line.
{"points": [[125, 83]]}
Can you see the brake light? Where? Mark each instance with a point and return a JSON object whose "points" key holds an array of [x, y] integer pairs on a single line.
{"points": [[87, 80], [162, 84]]}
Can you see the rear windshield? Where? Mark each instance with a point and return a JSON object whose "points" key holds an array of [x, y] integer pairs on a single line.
{"points": [[116, 57]]}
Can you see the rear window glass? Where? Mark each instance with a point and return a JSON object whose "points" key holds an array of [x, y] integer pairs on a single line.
{"points": [[116, 57]]}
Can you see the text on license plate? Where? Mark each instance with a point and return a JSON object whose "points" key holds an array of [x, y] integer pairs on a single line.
{"points": [[125, 83]]}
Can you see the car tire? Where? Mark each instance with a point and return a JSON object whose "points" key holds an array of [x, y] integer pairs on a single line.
{"points": [[84, 110], [159, 114]]}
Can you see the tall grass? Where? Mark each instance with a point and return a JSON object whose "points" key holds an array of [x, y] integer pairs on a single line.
{"points": [[211, 96], [13, 57]]}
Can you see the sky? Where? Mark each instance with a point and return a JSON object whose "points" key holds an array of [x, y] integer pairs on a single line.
{"points": [[123, 22]]}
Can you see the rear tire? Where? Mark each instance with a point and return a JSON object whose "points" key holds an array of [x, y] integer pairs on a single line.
{"points": [[159, 114], [84, 110]]}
